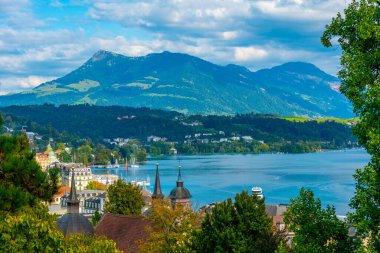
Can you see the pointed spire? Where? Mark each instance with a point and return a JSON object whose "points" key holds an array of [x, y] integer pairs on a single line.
{"points": [[73, 191], [179, 181], [73, 202], [179, 172], [157, 186]]}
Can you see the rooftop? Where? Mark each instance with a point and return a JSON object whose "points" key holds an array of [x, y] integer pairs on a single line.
{"points": [[124, 230]]}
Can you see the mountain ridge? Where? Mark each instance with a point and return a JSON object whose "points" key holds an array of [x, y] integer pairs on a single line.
{"points": [[187, 84]]}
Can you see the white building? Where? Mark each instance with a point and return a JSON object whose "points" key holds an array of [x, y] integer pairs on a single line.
{"points": [[106, 179], [83, 174], [89, 200]]}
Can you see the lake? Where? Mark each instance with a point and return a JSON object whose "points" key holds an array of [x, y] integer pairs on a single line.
{"points": [[213, 178]]}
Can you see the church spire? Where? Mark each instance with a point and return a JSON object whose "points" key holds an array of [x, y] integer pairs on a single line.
{"points": [[73, 202], [179, 181], [157, 194]]}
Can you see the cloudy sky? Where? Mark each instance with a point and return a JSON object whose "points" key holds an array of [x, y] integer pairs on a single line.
{"points": [[42, 40]]}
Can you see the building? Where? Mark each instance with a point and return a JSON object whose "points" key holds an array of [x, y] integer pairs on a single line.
{"points": [[173, 151], [105, 179], [46, 158], [89, 200], [62, 191], [83, 175], [247, 138], [157, 193], [73, 222], [55, 205], [277, 213], [180, 194]]}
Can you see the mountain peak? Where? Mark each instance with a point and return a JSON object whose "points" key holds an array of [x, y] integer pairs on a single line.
{"points": [[237, 67], [300, 67], [102, 54]]}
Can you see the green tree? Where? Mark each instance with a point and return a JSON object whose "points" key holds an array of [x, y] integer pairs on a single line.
{"points": [[171, 229], [316, 229], [96, 218], [36, 231], [358, 34], [141, 155], [30, 231], [25, 225], [94, 185], [242, 226], [124, 199], [22, 182]]}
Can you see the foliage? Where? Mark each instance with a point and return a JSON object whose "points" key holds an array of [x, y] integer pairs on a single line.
{"points": [[83, 154], [141, 155], [171, 229], [90, 244], [96, 218], [316, 229], [94, 185], [25, 225], [242, 226], [22, 182], [98, 123], [36, 231], [28, 232], [358, 34], [124, 199]]}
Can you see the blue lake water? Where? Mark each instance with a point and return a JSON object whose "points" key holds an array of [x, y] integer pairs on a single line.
{"points": [[213, 178]]}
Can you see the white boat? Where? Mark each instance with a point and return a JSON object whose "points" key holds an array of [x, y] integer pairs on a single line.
{"points": [[133, 162], [109, 165], [142, 184], [116, 165], [257, 191]]}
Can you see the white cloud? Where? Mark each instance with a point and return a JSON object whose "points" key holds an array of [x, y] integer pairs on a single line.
{"points": [[230, 35], [311, 10], [242, 54], [218, 31], [12, 83]]}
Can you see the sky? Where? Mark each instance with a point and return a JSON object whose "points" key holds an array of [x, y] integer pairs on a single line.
{"points": [[43, 40]]}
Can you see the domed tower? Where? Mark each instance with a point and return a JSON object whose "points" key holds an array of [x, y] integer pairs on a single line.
{"points": [[73, 222], [157, 193], [180, 194]]}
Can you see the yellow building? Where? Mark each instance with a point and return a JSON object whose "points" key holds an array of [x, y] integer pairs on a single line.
{"points": [[46, 158]]}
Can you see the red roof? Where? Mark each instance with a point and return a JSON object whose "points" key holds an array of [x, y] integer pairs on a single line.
{"points": [[61, 191], [124, 230]]}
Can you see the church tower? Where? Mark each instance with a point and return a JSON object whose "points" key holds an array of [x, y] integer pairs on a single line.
{"points": [[157, 193], [180, 194], [73, 222]]}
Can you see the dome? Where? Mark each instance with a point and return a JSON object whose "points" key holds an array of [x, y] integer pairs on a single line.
{"points": [[74, 223], [180, 192]]}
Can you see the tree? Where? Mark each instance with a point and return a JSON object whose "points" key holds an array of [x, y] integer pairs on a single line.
{"points": [[22, 182], [358, 34], [124, 199], [36, 231], [84, 244], [141, 155], [242, 226], [316, 229], [30, 231], [96, 218], [171, 229], [25, 224], [94, 185]]}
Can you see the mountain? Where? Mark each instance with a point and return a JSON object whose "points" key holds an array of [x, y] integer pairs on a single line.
{"points": [[190, 85]]}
